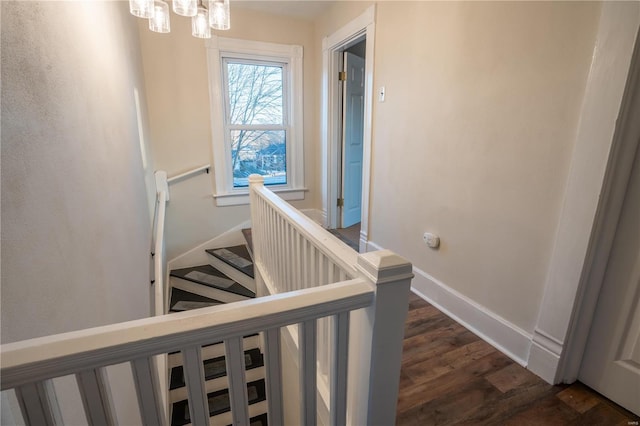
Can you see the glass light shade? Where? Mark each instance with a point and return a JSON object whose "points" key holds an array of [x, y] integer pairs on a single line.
{"points": [[185, 7], [159, 20], [140, 8], [219, 17], [200, 24]]}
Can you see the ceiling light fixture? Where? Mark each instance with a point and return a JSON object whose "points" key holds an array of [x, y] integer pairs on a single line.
{"points": [[216, 16]]}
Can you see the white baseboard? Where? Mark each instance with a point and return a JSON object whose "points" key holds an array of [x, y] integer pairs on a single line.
{"points": [[495, 330], [544, 358]]}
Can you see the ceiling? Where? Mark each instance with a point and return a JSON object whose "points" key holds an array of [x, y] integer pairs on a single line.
{"points": [[305, 9]]}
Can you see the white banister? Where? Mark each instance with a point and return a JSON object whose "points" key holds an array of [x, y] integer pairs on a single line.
{"points": [[159, 255], [293, 252], [47, 357]]}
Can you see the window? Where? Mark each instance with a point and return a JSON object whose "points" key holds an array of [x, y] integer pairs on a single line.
{"points": [[256, 106]]}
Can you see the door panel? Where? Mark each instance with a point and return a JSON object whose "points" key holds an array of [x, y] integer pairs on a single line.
{"points": [[353, 126], [611, 363]]}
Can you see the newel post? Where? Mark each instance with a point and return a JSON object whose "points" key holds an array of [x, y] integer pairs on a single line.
{"points": [[256, 183], [381, 328]]}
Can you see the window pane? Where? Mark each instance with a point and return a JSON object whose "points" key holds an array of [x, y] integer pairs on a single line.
{"points": [[255, 94], [258, 151]]}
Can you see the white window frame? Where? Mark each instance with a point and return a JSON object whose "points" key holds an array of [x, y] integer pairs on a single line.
{"points": [[291, 55]]}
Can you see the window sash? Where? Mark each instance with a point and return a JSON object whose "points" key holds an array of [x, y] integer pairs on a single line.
{"points": [[283, 55]]}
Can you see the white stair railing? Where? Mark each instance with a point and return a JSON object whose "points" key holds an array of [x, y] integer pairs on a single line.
{"points": [[29, 366], [351, 306], [292, 252]]}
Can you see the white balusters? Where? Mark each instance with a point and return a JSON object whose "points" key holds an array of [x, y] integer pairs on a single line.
{"points": [[234, 356], [148, 391], [39, 404], [96, 397], [194, 379], [308, 386], [340, 355], [273, 363]]}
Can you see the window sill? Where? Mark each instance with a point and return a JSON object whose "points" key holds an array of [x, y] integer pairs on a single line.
{"points": [[233, 199]]}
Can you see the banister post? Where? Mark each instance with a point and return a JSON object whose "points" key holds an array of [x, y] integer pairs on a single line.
{"points": [[374, 379], [256, 182]]}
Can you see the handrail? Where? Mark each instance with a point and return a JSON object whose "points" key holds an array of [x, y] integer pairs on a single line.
{"points": [[159, 256], [340, 253], [293, 252], [189, 173], [53, 356]]}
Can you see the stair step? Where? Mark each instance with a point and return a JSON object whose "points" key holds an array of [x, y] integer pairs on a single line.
{"points": [[213, 385], [209, 276], [237, 257], [185, 301], [218, 402], [217, 367], [216, 349], [260, 420], [202, 290]]}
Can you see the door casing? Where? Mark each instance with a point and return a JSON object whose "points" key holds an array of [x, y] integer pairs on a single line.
{"points": [[362, 27]]}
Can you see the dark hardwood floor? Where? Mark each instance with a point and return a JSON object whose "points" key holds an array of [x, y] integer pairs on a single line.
{"points": [[450, 376]]}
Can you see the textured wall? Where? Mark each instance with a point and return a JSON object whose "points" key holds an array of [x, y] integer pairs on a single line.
{"points": [[475, 138], [75, 208]]}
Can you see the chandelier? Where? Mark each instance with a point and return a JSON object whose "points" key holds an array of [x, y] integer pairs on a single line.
{"points": [[215, 16]]}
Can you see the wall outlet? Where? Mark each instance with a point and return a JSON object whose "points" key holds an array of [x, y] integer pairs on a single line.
{"points": [[431, 240]]}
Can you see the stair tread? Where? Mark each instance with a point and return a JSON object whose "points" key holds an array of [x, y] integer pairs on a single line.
{"points": [[218, 402], [209, 276], [237, 256], [184, 301], [216, 367]]}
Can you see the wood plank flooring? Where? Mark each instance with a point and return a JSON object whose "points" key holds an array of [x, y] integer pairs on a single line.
{"points": [[450, 376]]}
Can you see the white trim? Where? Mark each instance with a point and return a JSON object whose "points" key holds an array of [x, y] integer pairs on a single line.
{"points": [[626, 142], [560, 318], [225, 194], [490, 327], [363, 25], [234, 199]]}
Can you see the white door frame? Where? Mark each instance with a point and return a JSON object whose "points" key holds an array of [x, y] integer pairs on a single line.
{"points": [[572, 287], [332, 46], [623, 151]]}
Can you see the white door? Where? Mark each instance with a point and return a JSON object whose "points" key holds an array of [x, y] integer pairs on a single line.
{"points": [[353, 124], [611, 363]]}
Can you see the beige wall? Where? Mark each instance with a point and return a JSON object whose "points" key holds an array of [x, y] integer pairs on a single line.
{"points": [[177, 83], [474, 140], [75, 220]]}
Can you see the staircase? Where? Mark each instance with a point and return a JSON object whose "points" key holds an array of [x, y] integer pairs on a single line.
{"points": [[348, 310], [228, 277]]}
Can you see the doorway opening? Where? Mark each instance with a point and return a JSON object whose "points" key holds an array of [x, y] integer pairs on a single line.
{"points": [[349, 174], [346, 128]]}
